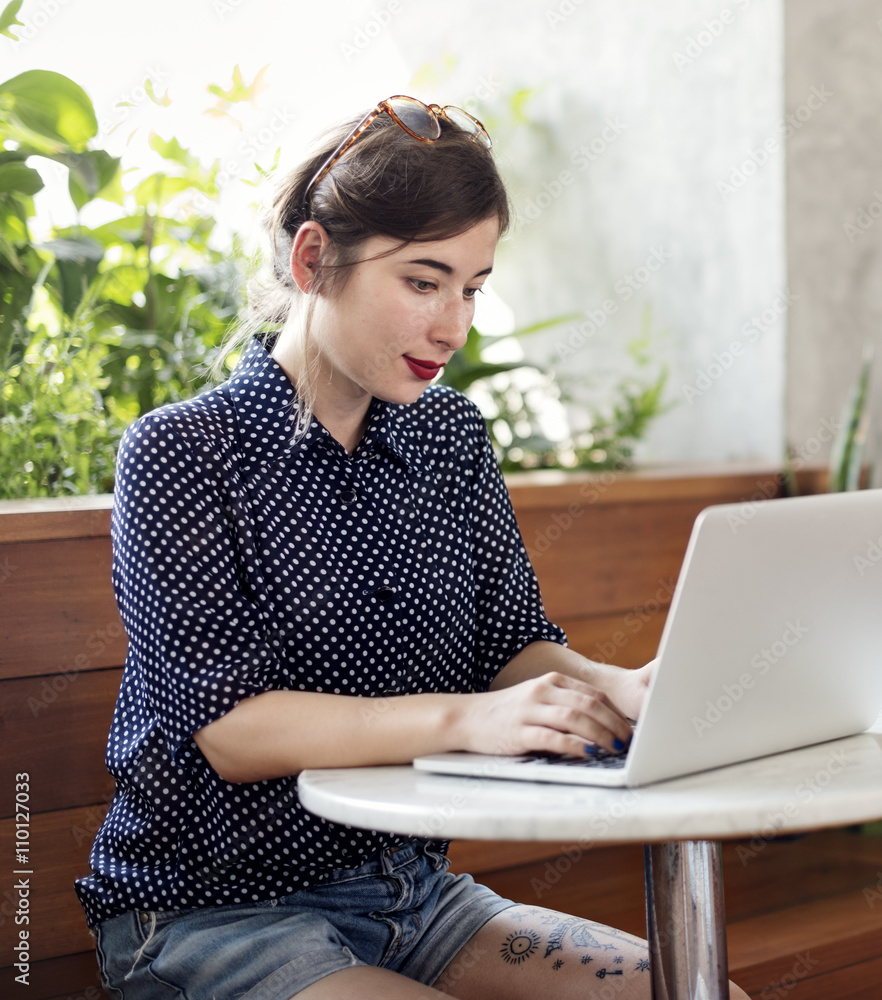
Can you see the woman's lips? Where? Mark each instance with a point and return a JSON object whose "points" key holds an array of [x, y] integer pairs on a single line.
{"points": [[426, 370]]}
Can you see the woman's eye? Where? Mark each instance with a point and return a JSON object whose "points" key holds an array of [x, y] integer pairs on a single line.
{"points": [[470, 293], [422, 286]]}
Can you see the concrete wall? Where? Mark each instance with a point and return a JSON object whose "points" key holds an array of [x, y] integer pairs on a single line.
{"points": [[647, 166], [834, 202]]}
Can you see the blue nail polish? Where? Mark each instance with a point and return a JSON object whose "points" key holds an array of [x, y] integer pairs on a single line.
{"points": [[618, 745], [590, 748]]}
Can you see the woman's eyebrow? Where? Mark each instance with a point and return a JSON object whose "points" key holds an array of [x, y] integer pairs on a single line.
{"points": [[445, 268]]}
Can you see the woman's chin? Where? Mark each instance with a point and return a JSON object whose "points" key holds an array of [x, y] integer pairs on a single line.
{"points": [[402, 394]]}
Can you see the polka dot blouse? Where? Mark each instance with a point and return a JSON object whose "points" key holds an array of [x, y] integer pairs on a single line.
{"points": [[244, 563]]}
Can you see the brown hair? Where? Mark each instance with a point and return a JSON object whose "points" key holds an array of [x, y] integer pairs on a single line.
{"points": [[387, 184]]}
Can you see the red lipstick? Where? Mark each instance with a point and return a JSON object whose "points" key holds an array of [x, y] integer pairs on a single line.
{"points": [[426, 370]]}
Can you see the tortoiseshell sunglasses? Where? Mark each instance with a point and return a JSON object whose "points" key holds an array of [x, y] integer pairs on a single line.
{"points": [[417, 119]]}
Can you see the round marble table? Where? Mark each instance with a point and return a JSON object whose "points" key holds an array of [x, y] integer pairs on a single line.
{"points": [[681, 822]]}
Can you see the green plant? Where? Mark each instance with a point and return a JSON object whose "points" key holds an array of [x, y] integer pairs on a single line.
{"points": [[847, 450], [514, 395], [99, 324], [845, 465]]}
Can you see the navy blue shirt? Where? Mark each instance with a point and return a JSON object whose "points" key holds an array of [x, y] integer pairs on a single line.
{"points": [[243, 563]]}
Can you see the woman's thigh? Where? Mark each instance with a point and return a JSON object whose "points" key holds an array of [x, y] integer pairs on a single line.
{"points": [[529, 951], [368, 983]]}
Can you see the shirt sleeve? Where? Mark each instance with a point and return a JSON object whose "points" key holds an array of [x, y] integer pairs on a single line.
{"points": [[509, 606], [197, 641]]}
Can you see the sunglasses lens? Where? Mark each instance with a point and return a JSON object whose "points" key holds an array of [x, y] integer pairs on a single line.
{"points": [[415, 117], [464, 120]]}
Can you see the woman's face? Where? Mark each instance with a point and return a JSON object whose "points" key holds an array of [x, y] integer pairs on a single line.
{"points": [[400, 317]]}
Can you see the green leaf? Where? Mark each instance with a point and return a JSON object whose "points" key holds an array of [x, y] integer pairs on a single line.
{"points": [[158, 189], [543, 325], [127, 230], [173, 150], [75, 249], [163, 101], [518, 102], [9, 18], [19, 178], [90, 173], [430, 74], [241, 91], [47, 111], [848, 446]]}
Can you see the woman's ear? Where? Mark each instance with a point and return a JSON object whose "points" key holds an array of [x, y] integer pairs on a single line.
{"points": [[307, 247]]}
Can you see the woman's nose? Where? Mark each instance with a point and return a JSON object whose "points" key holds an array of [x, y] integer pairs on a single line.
{"points": [[453, 325]]}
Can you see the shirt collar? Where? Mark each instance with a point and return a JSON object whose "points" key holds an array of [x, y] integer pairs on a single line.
{"points": [[264, 397]]}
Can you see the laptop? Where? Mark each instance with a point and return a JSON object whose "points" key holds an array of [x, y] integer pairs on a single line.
{"points": [[773, 641]]}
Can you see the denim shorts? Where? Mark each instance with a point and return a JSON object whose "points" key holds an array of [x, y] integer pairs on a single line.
{"points": [[401, 911]]}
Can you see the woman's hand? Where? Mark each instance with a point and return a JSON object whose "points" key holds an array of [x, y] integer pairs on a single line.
{"points": [[628, 687], [552, 712]]}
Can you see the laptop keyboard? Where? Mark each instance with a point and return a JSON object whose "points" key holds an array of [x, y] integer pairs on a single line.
{"points": [[603, 758]]}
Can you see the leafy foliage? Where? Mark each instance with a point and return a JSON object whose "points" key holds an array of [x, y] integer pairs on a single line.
{"points": [[513, 403], [848, 446], [100, 324]]}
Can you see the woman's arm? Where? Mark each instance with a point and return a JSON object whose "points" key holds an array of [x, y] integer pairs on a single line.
{"points": [[625, 688], [278, 733]]}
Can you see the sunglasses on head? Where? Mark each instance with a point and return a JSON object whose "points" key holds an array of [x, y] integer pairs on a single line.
{"points": [[417, 119]]}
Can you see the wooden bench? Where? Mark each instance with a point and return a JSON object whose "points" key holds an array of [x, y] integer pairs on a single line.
{"points": [[607, 550]]}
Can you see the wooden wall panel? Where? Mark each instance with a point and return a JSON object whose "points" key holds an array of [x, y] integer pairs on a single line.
{"points": [[59, 850], [612, 559], [69, 977], [57, 732], [607, 551], [58, 611], [628, 640]]}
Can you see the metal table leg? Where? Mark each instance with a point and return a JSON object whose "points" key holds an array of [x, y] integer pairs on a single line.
{"points": [[686, 921]]}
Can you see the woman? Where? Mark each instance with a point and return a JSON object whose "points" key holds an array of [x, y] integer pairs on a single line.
{"points": [[318, 565]]}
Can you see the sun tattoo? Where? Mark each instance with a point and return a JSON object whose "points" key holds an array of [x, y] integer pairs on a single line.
{"points": [[518, 947]]}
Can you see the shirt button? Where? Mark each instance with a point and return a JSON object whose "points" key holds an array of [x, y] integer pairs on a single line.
{"points": [[143, 917], [348, 496], [384, 594]]}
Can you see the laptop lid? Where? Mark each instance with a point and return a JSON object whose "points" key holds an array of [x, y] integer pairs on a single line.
{"points": [[773, 641], [774, 636]]}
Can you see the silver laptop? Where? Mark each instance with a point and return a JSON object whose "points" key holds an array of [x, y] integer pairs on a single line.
{"points": [[773, 641]]}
